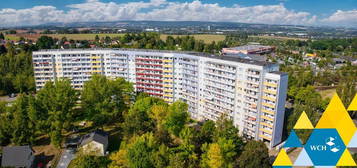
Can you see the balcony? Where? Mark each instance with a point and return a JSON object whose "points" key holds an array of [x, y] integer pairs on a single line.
{"points": [[266, 124], [270, 84], [265, 137], [267, 118], [269, 105], [266, 131], [268, 111], [269, 98], [270, 91]]}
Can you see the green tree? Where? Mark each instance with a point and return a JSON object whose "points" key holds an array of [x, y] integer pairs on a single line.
{"points": [[45, 42], [2, 37], [137, 120], [22, 129], [255, 154], [226, 130], [105, 100], [177, 117], [85, 161], [56, 102], [141, 152]]}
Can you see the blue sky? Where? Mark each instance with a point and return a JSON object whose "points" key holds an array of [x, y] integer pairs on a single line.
{"points": [[311, 12]]}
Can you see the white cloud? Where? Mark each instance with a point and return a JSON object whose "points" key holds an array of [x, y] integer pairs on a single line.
{"points": [[162, 10], [342, 18]]}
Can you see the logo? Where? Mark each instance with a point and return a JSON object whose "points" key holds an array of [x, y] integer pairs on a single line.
{"points": [[329, 141]]}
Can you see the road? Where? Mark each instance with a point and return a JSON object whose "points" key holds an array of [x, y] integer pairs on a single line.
{"points": [[67, 156]]}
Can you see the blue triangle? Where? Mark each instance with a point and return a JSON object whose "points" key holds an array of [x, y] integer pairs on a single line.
{"points": [[292, 141], [303, 159], [353, 141]]}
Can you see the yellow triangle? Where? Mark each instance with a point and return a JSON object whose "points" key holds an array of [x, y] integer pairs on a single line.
{"points": [[325, 122], [346, 128], [282, 159], [303, 122], [353, 105], [346, 159], [332, 114]]}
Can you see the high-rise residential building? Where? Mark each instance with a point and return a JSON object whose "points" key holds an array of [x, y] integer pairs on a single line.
{"points": [[251, 93]]}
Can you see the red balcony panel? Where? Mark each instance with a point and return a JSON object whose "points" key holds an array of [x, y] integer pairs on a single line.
{"points": [[145, 83], [148, 69], [148, 59], [149, 74], [138, 78], [148, 64]]}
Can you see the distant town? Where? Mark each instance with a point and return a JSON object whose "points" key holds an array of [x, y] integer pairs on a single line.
{"points": [[166, 94]]}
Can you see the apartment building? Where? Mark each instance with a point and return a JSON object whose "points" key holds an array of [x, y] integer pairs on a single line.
{"points": [[251, 93], [248, 49]]}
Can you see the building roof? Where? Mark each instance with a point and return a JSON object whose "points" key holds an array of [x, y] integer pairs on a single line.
{"points": [[200, 54], [16, 156], [97, 136], [279, 73], [250, 47]]}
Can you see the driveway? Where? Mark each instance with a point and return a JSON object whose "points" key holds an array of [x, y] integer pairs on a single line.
{"points": [[67, 156]]}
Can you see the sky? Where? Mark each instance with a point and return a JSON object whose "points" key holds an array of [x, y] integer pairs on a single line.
{"points": [[294, 12]]}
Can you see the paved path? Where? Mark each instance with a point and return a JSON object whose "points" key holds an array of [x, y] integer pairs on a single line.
{"points": [[67, 156]]}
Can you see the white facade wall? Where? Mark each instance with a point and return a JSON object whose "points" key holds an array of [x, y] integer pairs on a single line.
{"points": [[251, 93]]}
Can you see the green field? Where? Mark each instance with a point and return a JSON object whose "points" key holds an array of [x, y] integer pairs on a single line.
{"points": [[207, 38]]}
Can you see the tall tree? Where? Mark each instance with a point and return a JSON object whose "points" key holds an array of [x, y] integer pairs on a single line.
{"points": [[56, 100], [104, 100], [255, 154], [177, 117]]}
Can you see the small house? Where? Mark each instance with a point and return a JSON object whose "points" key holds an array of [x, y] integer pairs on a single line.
{"points": [[17, 156], [95, 143]]}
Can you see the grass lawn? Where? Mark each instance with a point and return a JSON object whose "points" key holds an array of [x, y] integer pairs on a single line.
{"points": [[207, 38], [327, 93]]}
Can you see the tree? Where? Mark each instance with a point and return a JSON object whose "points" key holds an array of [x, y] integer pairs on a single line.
{"points": [[96, 38], [255, 154], [5, 124], [137, 120], [2, 37], [56, 102], [213, 158], [86, 161], [104, 100], [45, 42], [226, 130], [22, 129], [177, 117], [205, 135], [140, 153]]}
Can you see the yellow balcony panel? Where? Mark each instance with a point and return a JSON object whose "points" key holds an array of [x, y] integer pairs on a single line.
{"points": [[265, 137], [168, 95], [270, 84], [95, 57], [268, 111], [96, 66], [166, 60], [269, 98], [270, 91], [168, 90], [266, 131], [95, 62], [267, 118], [95, 71], [266, 124], [167, 85], [168, 80], [167, 66], [269, 105], [170, 71], [168, 100], [168, 76]]}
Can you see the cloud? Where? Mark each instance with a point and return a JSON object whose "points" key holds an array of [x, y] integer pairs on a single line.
{"points": [[342, 18], [162, 10]]}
